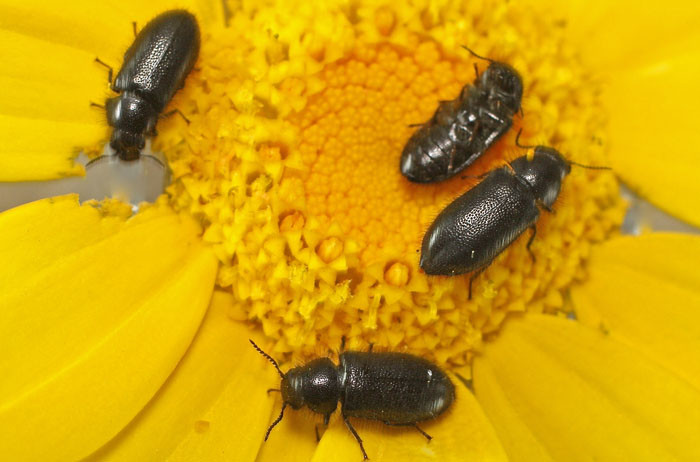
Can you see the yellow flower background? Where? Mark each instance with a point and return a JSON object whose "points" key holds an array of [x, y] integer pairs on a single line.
{"points": [[124, 337]]}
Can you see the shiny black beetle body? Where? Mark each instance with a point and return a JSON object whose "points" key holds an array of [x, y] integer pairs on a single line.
{"points": [[461, 130], [470, 232], [155, 67], [395, 388]]}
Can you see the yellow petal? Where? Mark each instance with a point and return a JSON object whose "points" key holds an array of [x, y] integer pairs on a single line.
{"points": [[613, 35], [583, 396], [652, 122], [652, 306], [463, 433], [213, 407], [97, 313], [48, 58], [648, 56]]}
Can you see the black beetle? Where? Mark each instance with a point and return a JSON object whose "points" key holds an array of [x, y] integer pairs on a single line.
{"points": [[461, 130], [477, 226], [155, 67], [398, 389]]}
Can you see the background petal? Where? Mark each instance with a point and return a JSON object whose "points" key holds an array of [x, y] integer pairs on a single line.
{"points": [[645, 292], [213, 407], [583, 395], [97, 312], [649, 57], [463, 433], [50, 77], [624, 33], [653, 123]]}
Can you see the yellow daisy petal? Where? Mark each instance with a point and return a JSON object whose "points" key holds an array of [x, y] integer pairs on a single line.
{"points": [[650, 89], [583, 395], [645, 292], [653, 149], [214, 405], [616, 35], [97, 313], [48, 58], [463, 433]]}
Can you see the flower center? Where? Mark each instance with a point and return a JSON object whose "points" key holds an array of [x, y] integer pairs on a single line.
{"points": [[291, 162], [352, 135]]}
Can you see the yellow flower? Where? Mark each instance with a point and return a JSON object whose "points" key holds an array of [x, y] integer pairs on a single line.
{"points": [[287, 204]]}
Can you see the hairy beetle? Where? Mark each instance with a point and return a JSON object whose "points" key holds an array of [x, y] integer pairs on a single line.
{"points": [[398, 389], [461, 130], [477, 226], [155, 67]]}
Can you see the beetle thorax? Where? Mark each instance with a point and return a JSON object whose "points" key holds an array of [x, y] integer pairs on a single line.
{"points": [[314, 385]]}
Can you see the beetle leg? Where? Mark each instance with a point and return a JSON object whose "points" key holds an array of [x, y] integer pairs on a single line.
{"points": [[469, 383], [133, 26], [422, 432], [412, 424], [272, 389], [96, 105], [476, 177], [476, 71], [476, 275], [544, 206], [371, 346], [357, 437], [529, 242], [169, 113], [342, 344], [111, 71], [326, 419], [453, 151]]}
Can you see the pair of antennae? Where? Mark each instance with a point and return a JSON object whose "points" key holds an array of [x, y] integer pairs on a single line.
{"points": [[571, 162], [284, 405]]}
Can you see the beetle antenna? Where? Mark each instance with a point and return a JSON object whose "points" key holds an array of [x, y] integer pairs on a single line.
{"points": [[590, 167], [277, 420], [274, 363], [477, 56], [517, 141]]}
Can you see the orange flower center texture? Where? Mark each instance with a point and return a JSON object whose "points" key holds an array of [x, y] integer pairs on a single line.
{"points": [[352, 138]]}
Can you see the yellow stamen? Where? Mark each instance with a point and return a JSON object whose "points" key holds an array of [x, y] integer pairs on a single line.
{"points": [[298, 117], [329, 249], [397, 274]]}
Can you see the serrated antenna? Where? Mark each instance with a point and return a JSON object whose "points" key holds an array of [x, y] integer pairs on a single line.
{"points": [[269, 358]]}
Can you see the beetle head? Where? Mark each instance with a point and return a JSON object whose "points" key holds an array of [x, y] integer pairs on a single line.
{"points": [[544, 172], [292, 388], [505, 82]]}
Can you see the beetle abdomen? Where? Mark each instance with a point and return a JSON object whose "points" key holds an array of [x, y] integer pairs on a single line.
{"points": [[158, 61], [395, 388], [478, 225]]}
